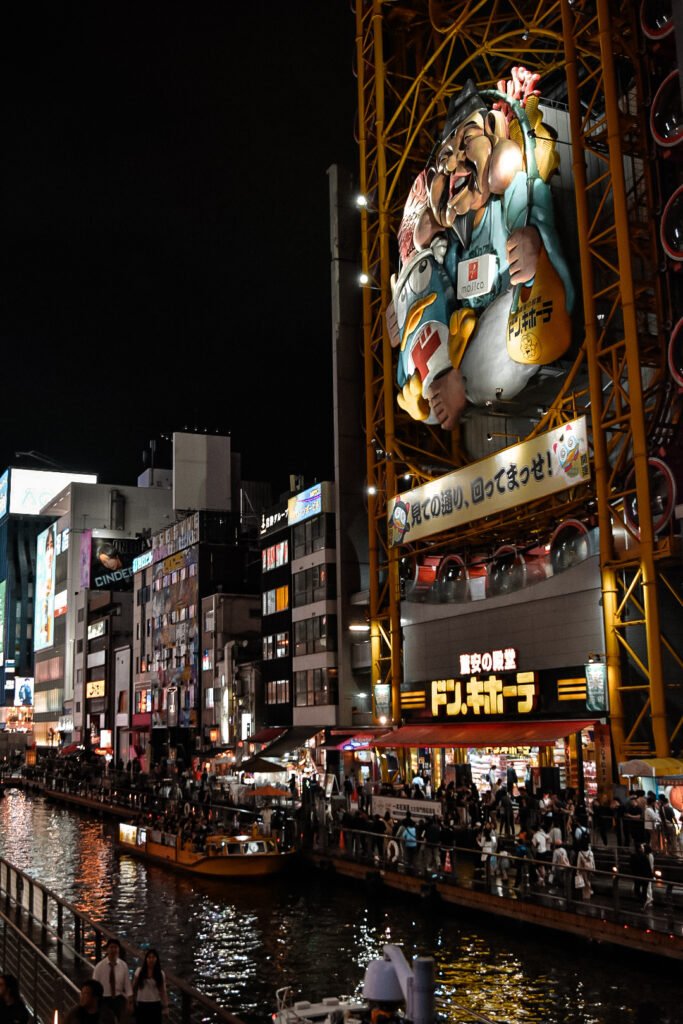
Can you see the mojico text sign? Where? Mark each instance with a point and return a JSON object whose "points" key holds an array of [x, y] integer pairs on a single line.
{"points": [[543, 465]]}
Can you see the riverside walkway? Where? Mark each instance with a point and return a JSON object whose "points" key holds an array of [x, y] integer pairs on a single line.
{"points": [[506, 886]]}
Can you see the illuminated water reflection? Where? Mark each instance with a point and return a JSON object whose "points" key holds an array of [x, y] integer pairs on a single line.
{"points": [[239, 942]]}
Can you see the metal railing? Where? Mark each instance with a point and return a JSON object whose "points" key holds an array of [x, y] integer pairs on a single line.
{"points": [[619, 895], [52, 947]]}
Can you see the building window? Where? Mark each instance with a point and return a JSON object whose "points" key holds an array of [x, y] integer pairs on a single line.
{"points": [[275, 556], [275, 646], [275, 600], [316, 584], [315, 686], [277, 691], [313, 636], [314, 535]]}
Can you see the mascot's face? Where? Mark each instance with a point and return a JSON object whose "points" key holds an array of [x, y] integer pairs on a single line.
{"points": [[461, 179]]}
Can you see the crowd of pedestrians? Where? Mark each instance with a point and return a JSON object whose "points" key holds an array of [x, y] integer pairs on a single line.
{"points": [[110, 996]]}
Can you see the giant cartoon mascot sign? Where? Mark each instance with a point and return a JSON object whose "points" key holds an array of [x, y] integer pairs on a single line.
{"points": [[483, 296]]}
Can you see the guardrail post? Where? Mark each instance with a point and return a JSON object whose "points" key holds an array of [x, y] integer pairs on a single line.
{"points": [[615, 889], [670, 920], [30, 898], [60, 921], [78, 934], [186, 1007]]}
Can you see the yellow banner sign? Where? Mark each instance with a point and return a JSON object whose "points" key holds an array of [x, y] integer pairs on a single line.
{"points": [[533, 469]]}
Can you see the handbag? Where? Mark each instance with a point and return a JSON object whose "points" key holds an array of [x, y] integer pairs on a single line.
{"points": [[579, 880]]}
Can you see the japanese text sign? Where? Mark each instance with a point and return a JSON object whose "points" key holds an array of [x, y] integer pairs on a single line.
{"points": [[551, 462], [480, 698]]}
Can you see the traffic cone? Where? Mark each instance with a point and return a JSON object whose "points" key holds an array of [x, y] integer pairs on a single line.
{"points": [[447, 867]]}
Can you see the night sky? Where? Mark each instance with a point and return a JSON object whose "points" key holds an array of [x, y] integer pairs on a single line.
{"points": [[165, 230]]}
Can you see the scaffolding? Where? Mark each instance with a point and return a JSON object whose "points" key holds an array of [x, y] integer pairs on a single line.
{"points": [[410, 58]]}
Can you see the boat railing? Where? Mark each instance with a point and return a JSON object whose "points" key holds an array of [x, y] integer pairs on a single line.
{"points": [[73, 942]]}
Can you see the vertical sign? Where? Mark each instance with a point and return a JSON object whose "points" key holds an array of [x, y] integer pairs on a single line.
{"points": [[45, 589]]}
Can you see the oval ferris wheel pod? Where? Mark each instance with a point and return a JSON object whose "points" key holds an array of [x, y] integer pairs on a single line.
{"points": [[662, 496], [656, 19], [666, 113], [671, 227], [569, 545], [675, 353]]}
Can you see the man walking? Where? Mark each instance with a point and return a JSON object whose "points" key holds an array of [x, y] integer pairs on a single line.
{"points": [[112, 974], [89, 1009]]}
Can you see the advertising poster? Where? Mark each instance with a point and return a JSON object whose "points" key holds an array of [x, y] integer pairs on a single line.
{"points": [[23, 692], [3, 587], [4, 488], [547, 464], [45, 590], [85, 556], [111, 563]]}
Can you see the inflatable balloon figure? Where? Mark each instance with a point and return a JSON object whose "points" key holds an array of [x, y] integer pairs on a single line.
{"points": [[483, 297]]}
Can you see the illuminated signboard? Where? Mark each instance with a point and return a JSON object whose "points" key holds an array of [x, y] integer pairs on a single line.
{"points": [[97, 629], [31, 489], [4, 489], [111, 563], [60, 603], [45, 590], [303, 506], [23, 692], [548, 463], [94, 689], [483, 697], [142, 561], [3, 587], [504, 660], [596, 686]]}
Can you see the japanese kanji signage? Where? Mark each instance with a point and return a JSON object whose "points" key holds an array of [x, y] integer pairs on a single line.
{"points": [[551, 462], [481, 698]]}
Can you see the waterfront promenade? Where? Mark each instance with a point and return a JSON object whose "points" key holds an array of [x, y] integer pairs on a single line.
{"points": [[506, 885]]}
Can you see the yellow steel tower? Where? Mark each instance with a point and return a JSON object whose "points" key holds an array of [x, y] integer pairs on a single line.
{"points": [[410, 58]]}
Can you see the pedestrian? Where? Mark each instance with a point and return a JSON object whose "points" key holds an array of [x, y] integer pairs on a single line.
{"points": [[89, 1008], [651, 822], [112, 974], [149, 990], [560, 865], [12, 1007], [408, 834], [668, 821], [641, 869], [488, 843], [585, 866], [540, 845]]}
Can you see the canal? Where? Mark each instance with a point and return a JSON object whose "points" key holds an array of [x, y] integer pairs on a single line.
{"points": [[239, 942]]}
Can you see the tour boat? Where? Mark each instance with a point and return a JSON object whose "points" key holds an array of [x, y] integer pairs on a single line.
{"points": [[224, 856], [327, 1011]]}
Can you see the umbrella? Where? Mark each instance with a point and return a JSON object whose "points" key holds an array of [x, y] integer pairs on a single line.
{"points": [[260, 764]]}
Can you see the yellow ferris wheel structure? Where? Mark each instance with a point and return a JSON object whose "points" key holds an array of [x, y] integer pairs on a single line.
{"points": [[592, 58]]}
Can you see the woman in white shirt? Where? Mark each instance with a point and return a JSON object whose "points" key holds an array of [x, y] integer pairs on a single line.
{"points": [[149, 990]]}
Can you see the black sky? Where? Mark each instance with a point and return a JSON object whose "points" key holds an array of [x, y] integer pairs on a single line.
{"points": [[165, 230]]}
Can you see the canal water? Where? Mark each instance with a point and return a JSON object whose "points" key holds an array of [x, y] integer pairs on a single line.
{"points": [[239, 942]]}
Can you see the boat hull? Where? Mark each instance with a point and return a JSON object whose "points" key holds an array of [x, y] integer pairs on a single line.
{"points": [[248, 865]]}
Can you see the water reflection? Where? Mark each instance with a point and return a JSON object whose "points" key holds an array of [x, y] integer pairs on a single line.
{"points": [[240, 942]]}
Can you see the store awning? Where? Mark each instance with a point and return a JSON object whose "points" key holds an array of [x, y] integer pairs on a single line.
{"points": [[260, 765], [652, 767], [267, 735], [351, 741], [293, 739], [482, 734]]}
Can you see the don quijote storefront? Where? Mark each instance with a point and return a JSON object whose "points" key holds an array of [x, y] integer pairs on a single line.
{"points": [[494, 719]]}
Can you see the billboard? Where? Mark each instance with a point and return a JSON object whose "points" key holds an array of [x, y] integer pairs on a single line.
{"points": [[31, 489], [3, 590], [84, 558], [111, 562], [201, 472], [43, 632], [23, 692], [546, 464], [311, 502], [484, 295], [4, 493]]}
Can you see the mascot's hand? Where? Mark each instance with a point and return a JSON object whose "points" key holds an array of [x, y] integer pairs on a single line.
{"points": [[439, 246], [523, 248], [411, 401], [460, 328]]}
